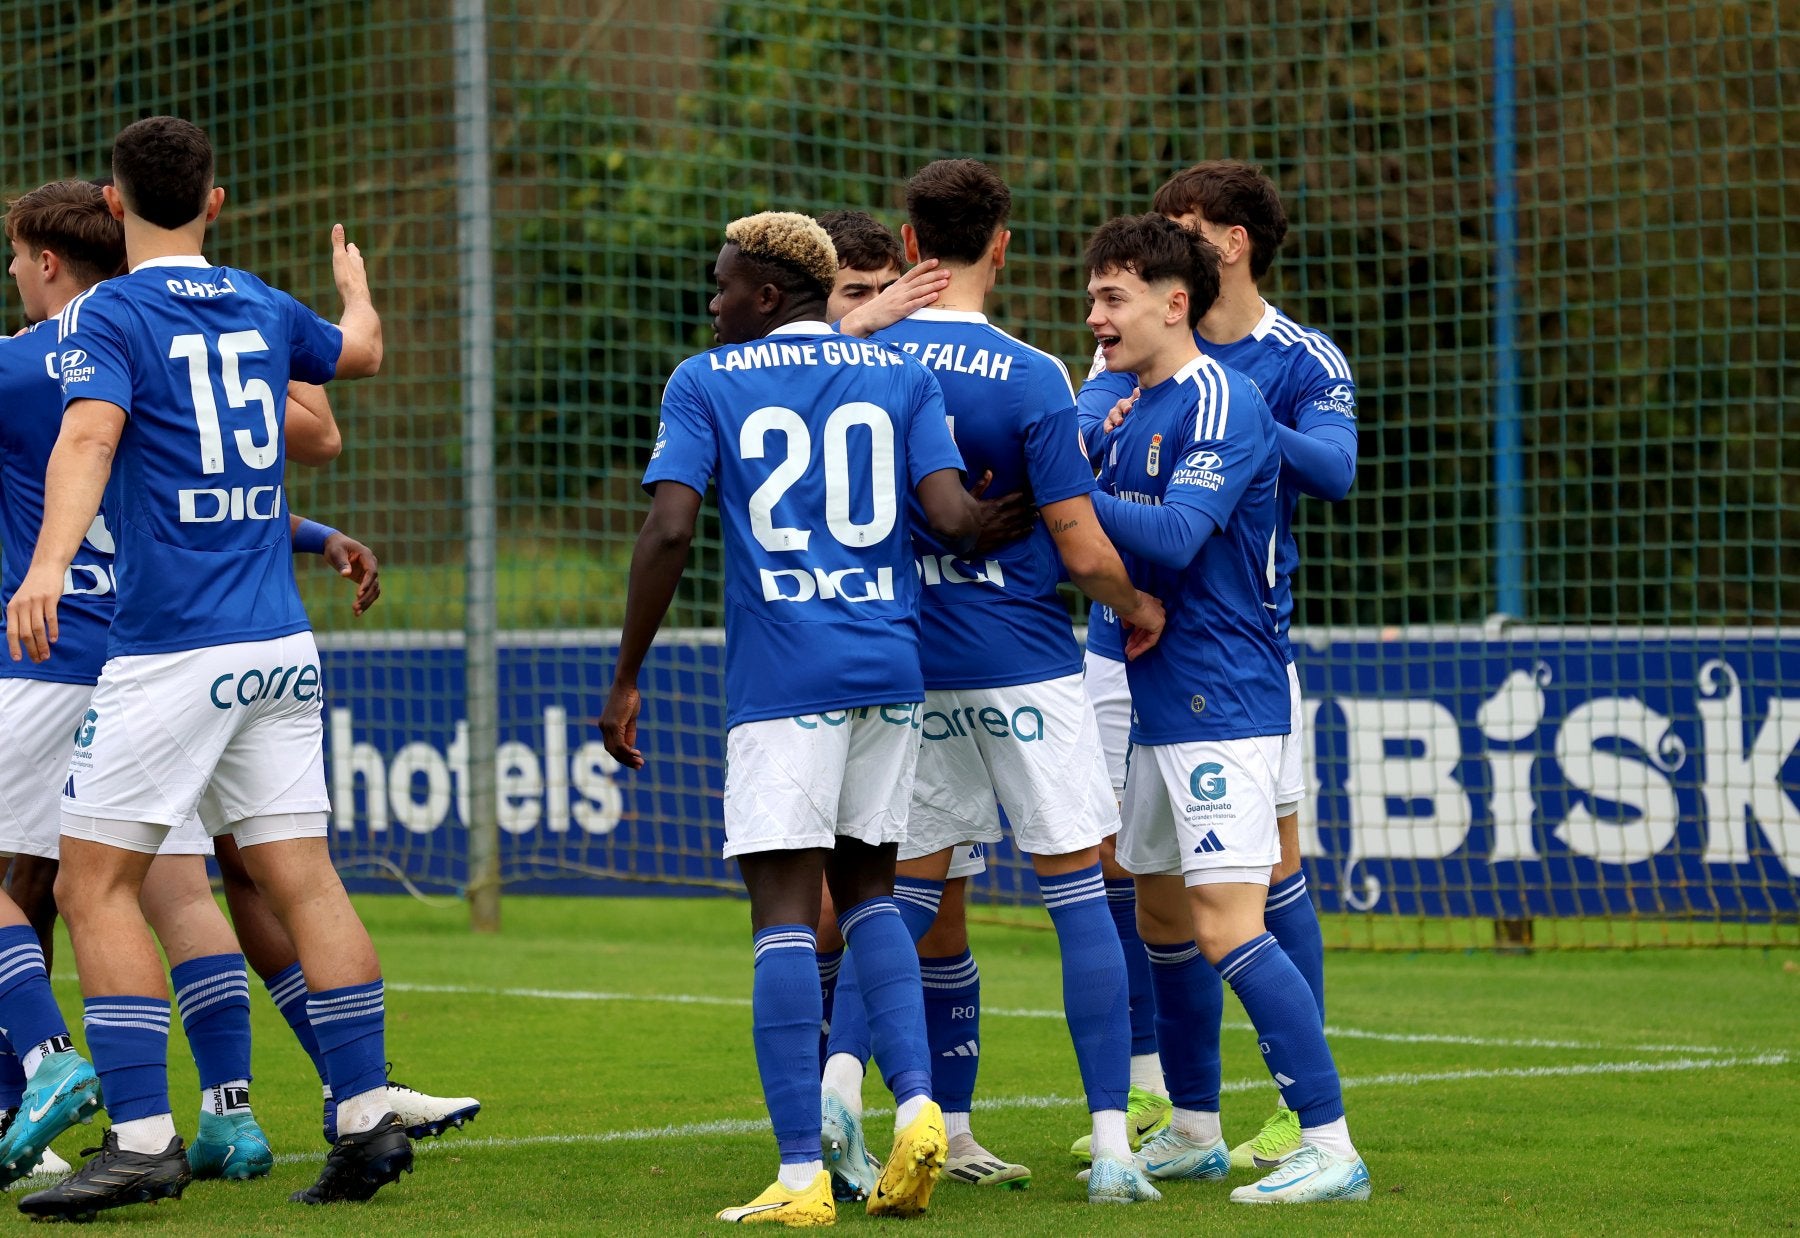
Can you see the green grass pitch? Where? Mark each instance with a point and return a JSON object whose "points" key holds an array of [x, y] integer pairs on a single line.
{"points": [[1609, 1093]]}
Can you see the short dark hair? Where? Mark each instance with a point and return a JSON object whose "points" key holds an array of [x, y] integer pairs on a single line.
{"points": [[955, 206], [164, 170], [1235, 194], [1156, 248], [70, 219], [863, 243]]}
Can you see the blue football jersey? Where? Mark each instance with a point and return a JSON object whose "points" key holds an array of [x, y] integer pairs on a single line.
{"points": [[815, 441], [1305, 381], [30, 418], [997, 621], [199, 357], [1218, 671]]}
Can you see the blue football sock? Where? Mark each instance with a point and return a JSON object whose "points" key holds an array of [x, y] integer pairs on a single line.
{"points": [[28, 1012], [1095, 994], [829, 964], [129, 1038], [1290, 916], [351, 1026], [1121, 901], [785, 1011], [287, 990], [888, 970], [953, 1028], [1190, 1001], [214, 996], [1287, 1027], [917, 901], [12, 1078]]}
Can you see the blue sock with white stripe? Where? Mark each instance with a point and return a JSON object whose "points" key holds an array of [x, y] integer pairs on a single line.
{"points": [[28, 1011], [351, 1026], [953, 1028], [1288, 1028], [917, 901], [830, 963], [888, 965], [1290, 916], [287, 989], [1095, 992], [213, 993], [129, 1038], [1190, 1001], [1121, 901], [785, 1013]]}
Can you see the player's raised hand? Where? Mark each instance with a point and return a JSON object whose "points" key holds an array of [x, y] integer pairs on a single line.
{"points": [[1145, 626], [355, 561], [916, 289], [618, 725], [1121, 410], [31, 615], [347, 268]]}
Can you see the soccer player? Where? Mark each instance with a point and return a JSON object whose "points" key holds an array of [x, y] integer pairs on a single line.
{"points": [[1005, 714], [1307, 384], [1191, 478], [64, 240], [172, 369], [815, 442], [870, 260]]}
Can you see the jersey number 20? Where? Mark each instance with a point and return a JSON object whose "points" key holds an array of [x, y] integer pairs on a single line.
{"points": [[752, 441]]}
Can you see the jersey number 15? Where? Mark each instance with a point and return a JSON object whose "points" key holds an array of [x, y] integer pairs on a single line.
{"points": [[239, 393]]}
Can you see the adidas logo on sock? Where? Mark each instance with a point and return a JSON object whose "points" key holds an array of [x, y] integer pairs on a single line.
{"points": [[968, 1048], [1209, 844]]}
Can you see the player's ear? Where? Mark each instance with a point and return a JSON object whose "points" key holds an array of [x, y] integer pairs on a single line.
{"points": [[1178, 306], [50, 265], [215, 202], [909, 241], [1001, 239], [115, 204], [768, 299]]}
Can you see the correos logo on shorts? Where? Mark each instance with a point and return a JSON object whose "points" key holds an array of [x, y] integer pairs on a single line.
{"points": [[1025, 724], [247, 687], [1207, 782]]}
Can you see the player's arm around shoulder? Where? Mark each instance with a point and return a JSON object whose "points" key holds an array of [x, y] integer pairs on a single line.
{"points": [[361, 354]]}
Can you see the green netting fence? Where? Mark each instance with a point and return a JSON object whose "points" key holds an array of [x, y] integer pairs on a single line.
{"points": [[1547, 645]]}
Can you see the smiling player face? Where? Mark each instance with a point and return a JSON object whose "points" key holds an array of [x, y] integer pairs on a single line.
{"points": [[1129, 319]]}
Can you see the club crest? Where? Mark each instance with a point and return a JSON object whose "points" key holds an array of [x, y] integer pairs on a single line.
{"points": [[1153, 461]]}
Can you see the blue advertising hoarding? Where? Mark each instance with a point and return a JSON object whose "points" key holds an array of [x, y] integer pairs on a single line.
{"points": [[1453, 773]]}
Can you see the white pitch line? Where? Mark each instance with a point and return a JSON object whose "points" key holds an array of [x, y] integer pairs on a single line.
{"points": [[1011, 1012], [747, 1126]]}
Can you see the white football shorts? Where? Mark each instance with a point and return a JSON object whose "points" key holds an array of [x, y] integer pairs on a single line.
{"points": [[1033, 747], [1111, 697], [802, 782], [1204, 809], [238, 724], [1290, 779], [44, 721], [969, 861]]}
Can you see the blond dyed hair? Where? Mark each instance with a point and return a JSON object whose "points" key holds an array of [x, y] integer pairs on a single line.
{"points": [[790, 239]]}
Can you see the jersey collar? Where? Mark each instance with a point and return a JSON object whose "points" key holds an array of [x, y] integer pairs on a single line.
{"points": [[928, 314], [174, 260], [806, 326], [1266, 323]]}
